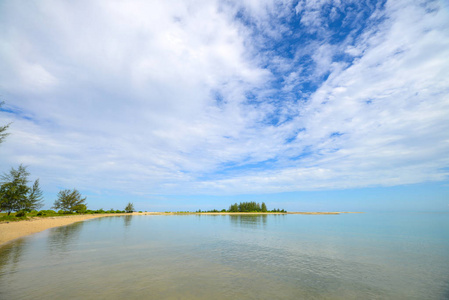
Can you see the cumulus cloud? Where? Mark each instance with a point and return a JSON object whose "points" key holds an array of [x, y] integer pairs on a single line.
{"points": [[211, 97]]}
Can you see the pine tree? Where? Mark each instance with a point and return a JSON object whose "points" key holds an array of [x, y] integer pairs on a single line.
{"points": [[16, 195], [129, 208], [69, 200]]}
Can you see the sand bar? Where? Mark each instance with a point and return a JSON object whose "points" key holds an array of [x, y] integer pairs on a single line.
{"points": [[12, 230]]}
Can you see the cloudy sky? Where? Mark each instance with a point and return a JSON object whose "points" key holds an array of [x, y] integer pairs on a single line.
{"points": [[180, 104]]}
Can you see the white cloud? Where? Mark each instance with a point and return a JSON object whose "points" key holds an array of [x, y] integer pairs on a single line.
{"points": [[153, 97], [390, 106]]}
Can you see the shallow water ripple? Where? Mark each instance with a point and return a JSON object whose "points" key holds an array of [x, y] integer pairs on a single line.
{"points": [[232, 257]]}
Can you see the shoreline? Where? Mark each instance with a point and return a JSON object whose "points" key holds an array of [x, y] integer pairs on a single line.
{"points": [[10, 231]]}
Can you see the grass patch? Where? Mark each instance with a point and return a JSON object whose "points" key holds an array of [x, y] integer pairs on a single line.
{"points": [[11, 218]]}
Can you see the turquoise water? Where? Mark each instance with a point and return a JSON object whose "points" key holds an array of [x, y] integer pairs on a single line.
{"points": [[348, 256]]}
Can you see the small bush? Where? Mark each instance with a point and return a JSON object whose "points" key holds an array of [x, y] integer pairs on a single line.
{"points": [[21, 214], [80, 208]]}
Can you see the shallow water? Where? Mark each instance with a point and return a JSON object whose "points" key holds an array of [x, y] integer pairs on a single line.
{"points": [[349, 256]]}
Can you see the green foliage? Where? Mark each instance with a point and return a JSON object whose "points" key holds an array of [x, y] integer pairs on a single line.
{"points": [[279, 210], [35, 197], [250, 207], [4, 217], [129, 208], [16, 195], [246, 207], [234, 208], [47, 213], [69, 201], [21, 213], [102, 211], [80, 208]]}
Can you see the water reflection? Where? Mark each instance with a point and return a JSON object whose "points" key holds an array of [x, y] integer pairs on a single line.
{"points": [[62, 238], [10, 256], [225, 257], [127, 221], [248, 221]]}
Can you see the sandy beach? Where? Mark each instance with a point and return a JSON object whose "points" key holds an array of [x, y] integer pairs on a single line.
{"points": [[12, 230]]}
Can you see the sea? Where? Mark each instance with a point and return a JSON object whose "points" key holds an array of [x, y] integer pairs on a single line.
{"points": [[346, 256]]}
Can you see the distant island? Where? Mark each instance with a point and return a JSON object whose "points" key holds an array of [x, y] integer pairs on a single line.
{"points": [[246, 207]]}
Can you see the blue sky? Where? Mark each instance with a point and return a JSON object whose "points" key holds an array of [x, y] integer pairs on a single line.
{"points": [[180, 105]]}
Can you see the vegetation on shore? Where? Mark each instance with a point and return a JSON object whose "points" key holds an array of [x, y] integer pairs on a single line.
{"points": [[4, 217], [16, 194], [242, 207], [252, 207], [129, 208], [70, 201]]}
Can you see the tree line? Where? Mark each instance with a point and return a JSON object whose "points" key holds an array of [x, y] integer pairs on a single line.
{"points": [[246, 207], [252, 207], [19, 195]]}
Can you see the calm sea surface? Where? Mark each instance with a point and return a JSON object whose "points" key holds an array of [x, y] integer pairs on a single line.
{"points": [[349, 256]]}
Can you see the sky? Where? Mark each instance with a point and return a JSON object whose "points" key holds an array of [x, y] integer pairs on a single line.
{"points": [[186, 105]]}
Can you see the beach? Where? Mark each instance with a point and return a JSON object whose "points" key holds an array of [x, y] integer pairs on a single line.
{"points": [[12, 230]]}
